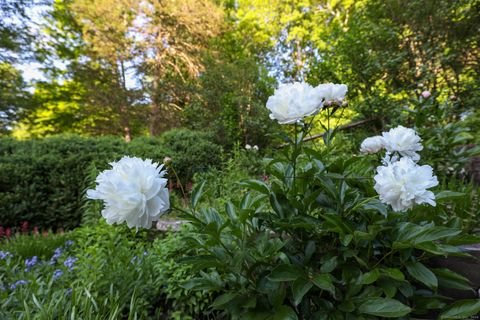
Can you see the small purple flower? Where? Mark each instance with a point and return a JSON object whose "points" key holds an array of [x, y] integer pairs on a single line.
{"points": [[29, 263], [57, 274], [70, 262], [69, 243], [5, 254], [56, 255], [13, 286]]}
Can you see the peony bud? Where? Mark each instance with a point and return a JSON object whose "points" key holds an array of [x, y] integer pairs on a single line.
{"points": [[167, 161]]}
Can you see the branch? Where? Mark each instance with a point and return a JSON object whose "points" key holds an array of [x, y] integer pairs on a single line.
{"points": [[344, 127]]}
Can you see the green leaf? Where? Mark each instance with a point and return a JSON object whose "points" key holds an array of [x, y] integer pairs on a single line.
{"points": [[369, 277], [286, 272], [197, 194], [450, 279], [256, 185], [382, 307], [337, 224], [325, 282], [309, 250], [376, 205], [435, 233], [462, 309], [284, 313], [224, 299], [299, 288], [277, 207], [329, 265], [231, 211], [421, 273], [393, 273], [446, 195]]}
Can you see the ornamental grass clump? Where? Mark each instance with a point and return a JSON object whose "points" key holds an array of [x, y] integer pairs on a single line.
{"points": [[315, 240]]}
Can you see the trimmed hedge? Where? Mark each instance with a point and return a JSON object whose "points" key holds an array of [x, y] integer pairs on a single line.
{"points": [[43, 181]]}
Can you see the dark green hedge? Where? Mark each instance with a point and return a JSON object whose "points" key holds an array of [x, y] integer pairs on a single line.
{"points": [[42, 181]]}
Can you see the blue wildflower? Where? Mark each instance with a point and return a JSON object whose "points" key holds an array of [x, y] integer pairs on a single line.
{"points": [[56, 255], [57, 274], [13, 286], [4, 255], [29, 263], [70, 262], [69, 243]]}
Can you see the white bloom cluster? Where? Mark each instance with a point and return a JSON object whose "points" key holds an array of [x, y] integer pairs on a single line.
{"points": [[404, 183], [401, 140], [401, 182], [134, 191], [292, 102]]}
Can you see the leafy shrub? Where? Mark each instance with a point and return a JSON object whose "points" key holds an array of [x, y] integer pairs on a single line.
{"points": [[171, 275], [42, 181], [316, 243], [221, 184], [191, 152]]}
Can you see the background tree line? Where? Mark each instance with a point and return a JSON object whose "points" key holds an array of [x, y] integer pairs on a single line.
{"points": [[131, 68]]}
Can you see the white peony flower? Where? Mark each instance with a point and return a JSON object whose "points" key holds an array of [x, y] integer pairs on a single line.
{"points": [[134, 191], [372, 145], [255, 147], [403, 183], [333, 93], [403, 140], [248, 147], [294, 101]]}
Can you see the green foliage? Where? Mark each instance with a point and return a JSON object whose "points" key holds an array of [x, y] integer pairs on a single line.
{"points": [[107, 273], [222, 184], [43, 181], [233, 108], [191, 152], [315, 243], [14, 98], [165, 254], [27, 246]]}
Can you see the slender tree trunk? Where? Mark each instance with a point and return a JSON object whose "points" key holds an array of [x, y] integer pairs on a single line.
{"points": [[124, 109], [155, 110]]}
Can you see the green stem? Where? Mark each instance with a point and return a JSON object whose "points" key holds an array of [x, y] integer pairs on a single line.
{"points": [[295, 157], [180, 182]]}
